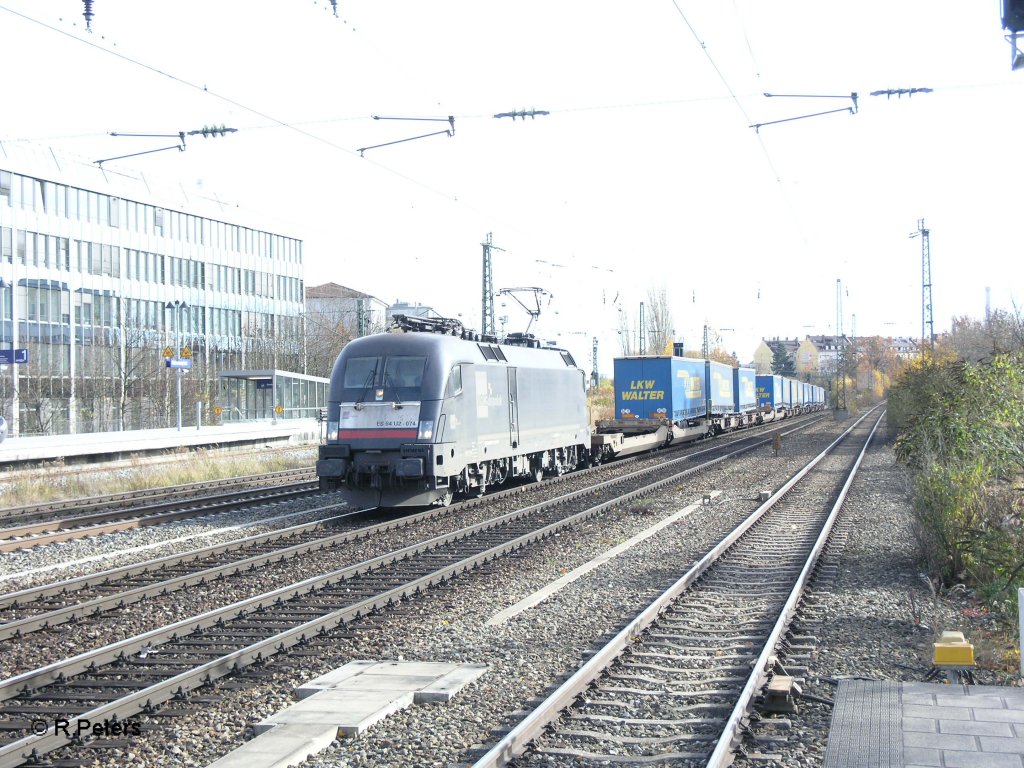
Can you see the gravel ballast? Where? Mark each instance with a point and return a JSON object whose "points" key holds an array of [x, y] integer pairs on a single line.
{"points": [[877, 619]]}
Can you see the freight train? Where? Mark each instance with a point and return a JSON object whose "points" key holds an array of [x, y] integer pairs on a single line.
{"points": [[431, 411]]}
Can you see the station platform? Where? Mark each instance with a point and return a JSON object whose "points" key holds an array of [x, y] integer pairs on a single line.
{"points": [[885, 724], [24, 452]]}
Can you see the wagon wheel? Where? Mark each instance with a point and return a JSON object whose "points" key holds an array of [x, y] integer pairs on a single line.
{"points": [[445, 499], [481, 489]]}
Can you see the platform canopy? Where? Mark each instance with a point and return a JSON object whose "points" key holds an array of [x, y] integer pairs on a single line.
{"points": [[252, 395]]}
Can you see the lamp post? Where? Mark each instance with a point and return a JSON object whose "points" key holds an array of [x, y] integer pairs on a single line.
{"points": [[177, 306], [4, 285]]}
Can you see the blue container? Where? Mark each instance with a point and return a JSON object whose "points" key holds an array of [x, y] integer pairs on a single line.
{"points": [[744, 389], [787, 392], [720, 387], [659, 387], [770, 391]]}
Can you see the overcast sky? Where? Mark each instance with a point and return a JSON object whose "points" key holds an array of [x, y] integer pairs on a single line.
{"points": [[645, 175]]}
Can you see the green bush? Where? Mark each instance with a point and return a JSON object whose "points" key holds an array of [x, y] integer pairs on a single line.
{"points": [[960, 431]]}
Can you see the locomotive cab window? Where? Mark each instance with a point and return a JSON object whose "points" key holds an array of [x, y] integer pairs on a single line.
{"points": [[403, 376], [454, 381], [360, 373]]}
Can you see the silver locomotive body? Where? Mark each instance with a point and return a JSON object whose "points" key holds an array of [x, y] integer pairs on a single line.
{"points": [[414, 418]]}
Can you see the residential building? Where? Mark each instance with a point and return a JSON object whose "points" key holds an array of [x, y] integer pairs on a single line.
{"points": [[334, 316], [107, 272], [359, 314], [820, 355], [904, 348], [765, 353]]}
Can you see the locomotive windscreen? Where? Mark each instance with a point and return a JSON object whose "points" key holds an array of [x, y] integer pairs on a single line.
{"points": [[396, 377]]}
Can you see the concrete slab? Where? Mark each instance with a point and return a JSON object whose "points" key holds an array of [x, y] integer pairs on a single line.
{"points": [[290, 748], [443, 688], [344, 703], [953, 726], [347, 714]]}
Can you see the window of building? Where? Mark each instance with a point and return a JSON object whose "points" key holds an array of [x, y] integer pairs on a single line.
{"points": [[114, 213], [158, 221], [103, 209], [6, 245], [5, 186], [111, 260]]}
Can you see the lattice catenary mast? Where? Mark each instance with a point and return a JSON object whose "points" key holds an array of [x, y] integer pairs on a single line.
{"points": [[487, 308], [840, 351], [927, 319]]}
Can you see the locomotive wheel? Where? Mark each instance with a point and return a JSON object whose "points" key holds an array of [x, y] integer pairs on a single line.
{"points": [[446, 499], [538, 473]]}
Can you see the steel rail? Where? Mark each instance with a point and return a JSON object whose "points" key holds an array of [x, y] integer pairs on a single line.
{"points": [[82, 662], [45, 620], [26, 596], [533, 725], [723, 756], [17, 752], [150, 494], [114, 521], [83, 582]]}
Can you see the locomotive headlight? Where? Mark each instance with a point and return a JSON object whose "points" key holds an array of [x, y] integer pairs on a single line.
{"points": [[426, 430], [332, 431]]}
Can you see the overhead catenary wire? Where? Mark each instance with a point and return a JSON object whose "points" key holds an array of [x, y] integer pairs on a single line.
{"points": [[204, 89]]}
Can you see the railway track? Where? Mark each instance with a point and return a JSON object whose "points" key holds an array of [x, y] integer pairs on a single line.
{"points": [[678, 683], [143, 671], [41, 512], [75, 599], [39, 526]]}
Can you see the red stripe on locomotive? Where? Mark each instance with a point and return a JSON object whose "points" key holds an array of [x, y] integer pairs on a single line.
{"points": [[373, 434]]}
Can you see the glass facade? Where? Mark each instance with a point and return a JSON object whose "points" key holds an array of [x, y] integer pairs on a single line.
{"points": [[102, 274], [253, 395]]}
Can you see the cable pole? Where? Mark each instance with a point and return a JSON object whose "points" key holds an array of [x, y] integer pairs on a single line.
{"points": [[643, 331]]}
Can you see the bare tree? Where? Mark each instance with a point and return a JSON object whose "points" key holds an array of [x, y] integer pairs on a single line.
{"points": [[627, 342], [134, 358], [659, 322], [982, 340], [326, 334]]}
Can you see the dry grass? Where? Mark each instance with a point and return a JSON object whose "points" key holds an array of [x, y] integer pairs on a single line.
{"points": [[58, 482], [602, 402]]}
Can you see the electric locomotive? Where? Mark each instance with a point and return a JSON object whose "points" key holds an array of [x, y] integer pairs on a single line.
{"points": [[417, 416]]}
